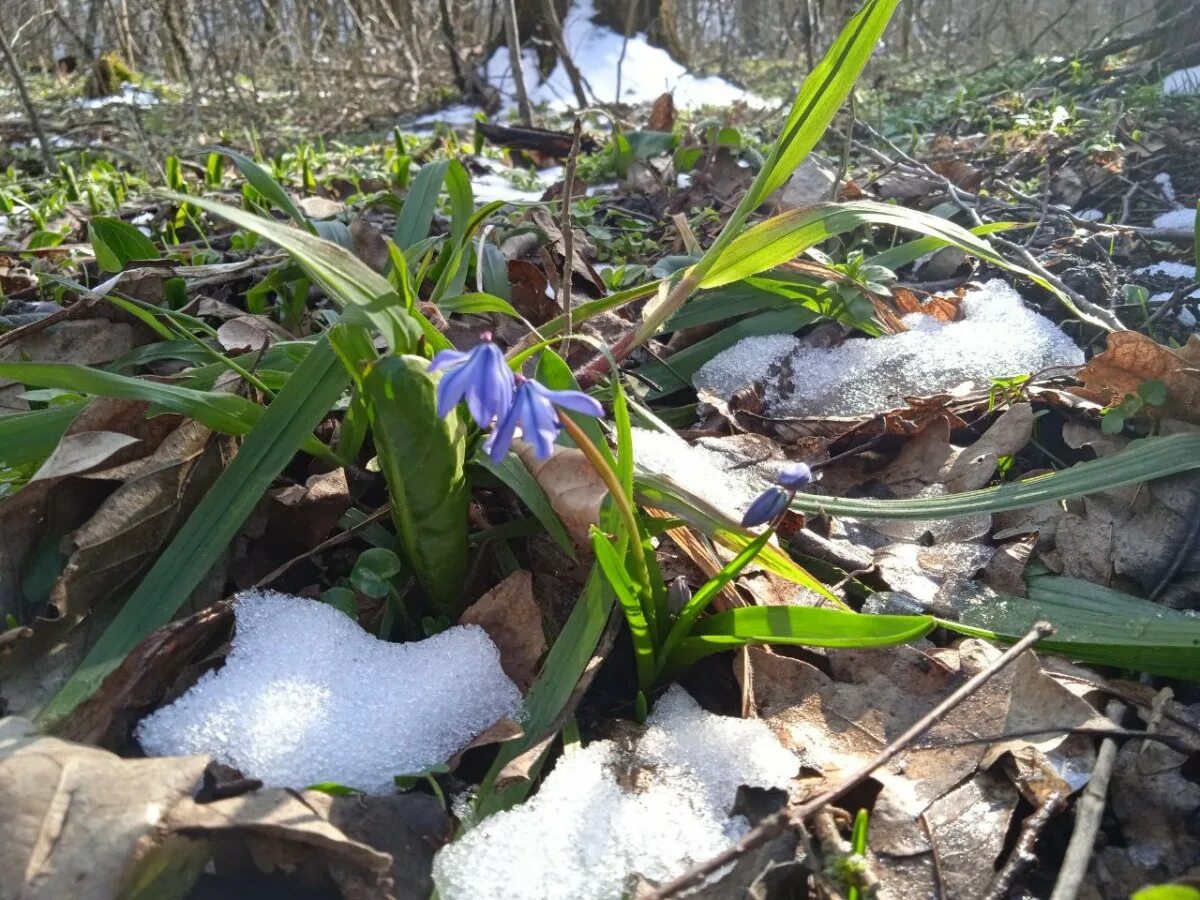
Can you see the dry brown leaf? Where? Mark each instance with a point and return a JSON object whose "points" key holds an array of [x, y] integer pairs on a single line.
{"points": [[529, 287], [369, 245], [318, 207], [1133, 359], [86, 342], [662, 113], [136, 519], [510, 616], [80, 452], [572, 486], [249, 333], [973, 468], [306, 514], [938, 306], [840, 722], [74, 815]]}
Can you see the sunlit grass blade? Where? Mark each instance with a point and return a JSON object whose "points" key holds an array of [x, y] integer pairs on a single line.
{"points": [[1143, 460], [32, 436], [296, 411], [627, 593], [268, 187], [564, 666], [343, 276], [1095, 624], [803, 625]]}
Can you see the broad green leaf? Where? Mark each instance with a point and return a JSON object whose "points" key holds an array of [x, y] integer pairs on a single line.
{"points": [[421, 456], [343, 276], [304, 401], [550, 693], [116, 243], [1143, 460], [516, 477], [493, 270], [417, 213], [804, 625], [262, 182], [647, 144], [1095, 624], [32, 436]]}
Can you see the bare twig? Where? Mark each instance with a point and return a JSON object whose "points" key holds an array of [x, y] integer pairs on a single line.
{"points": [[775, 824], [568, 233], [1169, 304], [1088, 812], [35, 121], [1023, 856]]}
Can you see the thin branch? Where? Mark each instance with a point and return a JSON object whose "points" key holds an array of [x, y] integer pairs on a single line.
{"points": [[35, 121], [775, 824], [1088, 812], [568, 232]]}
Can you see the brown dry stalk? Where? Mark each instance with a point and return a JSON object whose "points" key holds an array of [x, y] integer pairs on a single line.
{"points": [[776, 823]]}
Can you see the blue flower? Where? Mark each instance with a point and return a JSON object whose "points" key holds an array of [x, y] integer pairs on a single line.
{"points": [[480, 376], [794, 475], [535, 410], [766, 506]]}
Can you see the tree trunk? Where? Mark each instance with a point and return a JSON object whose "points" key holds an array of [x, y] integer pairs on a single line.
{"points": [[513, 36], [1179, 44]]}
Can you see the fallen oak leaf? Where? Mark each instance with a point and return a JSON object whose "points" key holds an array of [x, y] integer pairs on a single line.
{"points": [[572, 486], [510, 616], [1132, 359]]}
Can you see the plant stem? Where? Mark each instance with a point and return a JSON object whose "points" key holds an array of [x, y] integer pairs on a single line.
{"points": [[623, 503]]}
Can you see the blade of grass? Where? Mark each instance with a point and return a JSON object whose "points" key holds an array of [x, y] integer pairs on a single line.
{"points": [[307, 397]]}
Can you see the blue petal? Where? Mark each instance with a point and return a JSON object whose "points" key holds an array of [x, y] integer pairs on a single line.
{"points": [[501, 439], [766, 506], [795, 475], [540, 424], [576, 401], [445, 359], [451, 388]]}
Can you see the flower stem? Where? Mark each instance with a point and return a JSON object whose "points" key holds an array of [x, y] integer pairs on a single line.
{"points": [[624, 507]]}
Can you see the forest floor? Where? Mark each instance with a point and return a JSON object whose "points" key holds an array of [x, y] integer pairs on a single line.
{"points": [[1003, 426]]}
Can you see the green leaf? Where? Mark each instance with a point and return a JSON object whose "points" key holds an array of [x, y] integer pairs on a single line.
{"points": [[1153, 392], [343, 276], [708, 592], [262, 182], [647, 144], [1168, 891], [627, 592], [1143, 460], [550, 693], [374, 570], [226, 413], [342, 599], [421, 456], [493, 269], [416, 215], [662, 493], [478, 303], [903, 254], [803, 625], [1095, 624], [32, 436], [513, 473], [117, 243], [304, 401]]}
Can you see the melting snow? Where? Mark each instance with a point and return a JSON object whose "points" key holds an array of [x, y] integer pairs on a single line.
{"points": [[129, 96], [697, 469], [645, 73], [1177, 218], [997, 337], [1183, 82], [307, 696], [1168, 269], [584, 835]]}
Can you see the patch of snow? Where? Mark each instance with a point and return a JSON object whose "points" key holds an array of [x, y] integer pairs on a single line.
{"points": [[129, 96], [307, 696], [749, 360], [1168, 269], [1177, 218], [1183, 82], [1163, 180], [584, 835], [457, 114], [997, 337], [493, 186], [697, 469], [1185, 316], [1091, 215]]}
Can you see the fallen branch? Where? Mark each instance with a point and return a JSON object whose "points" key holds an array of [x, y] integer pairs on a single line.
{"points": [[776, 823], [1088, 812]]}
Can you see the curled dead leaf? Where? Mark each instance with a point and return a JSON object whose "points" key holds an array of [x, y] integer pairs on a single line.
{"points": [[1133, 359], [571, 484], [510, 616]]}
